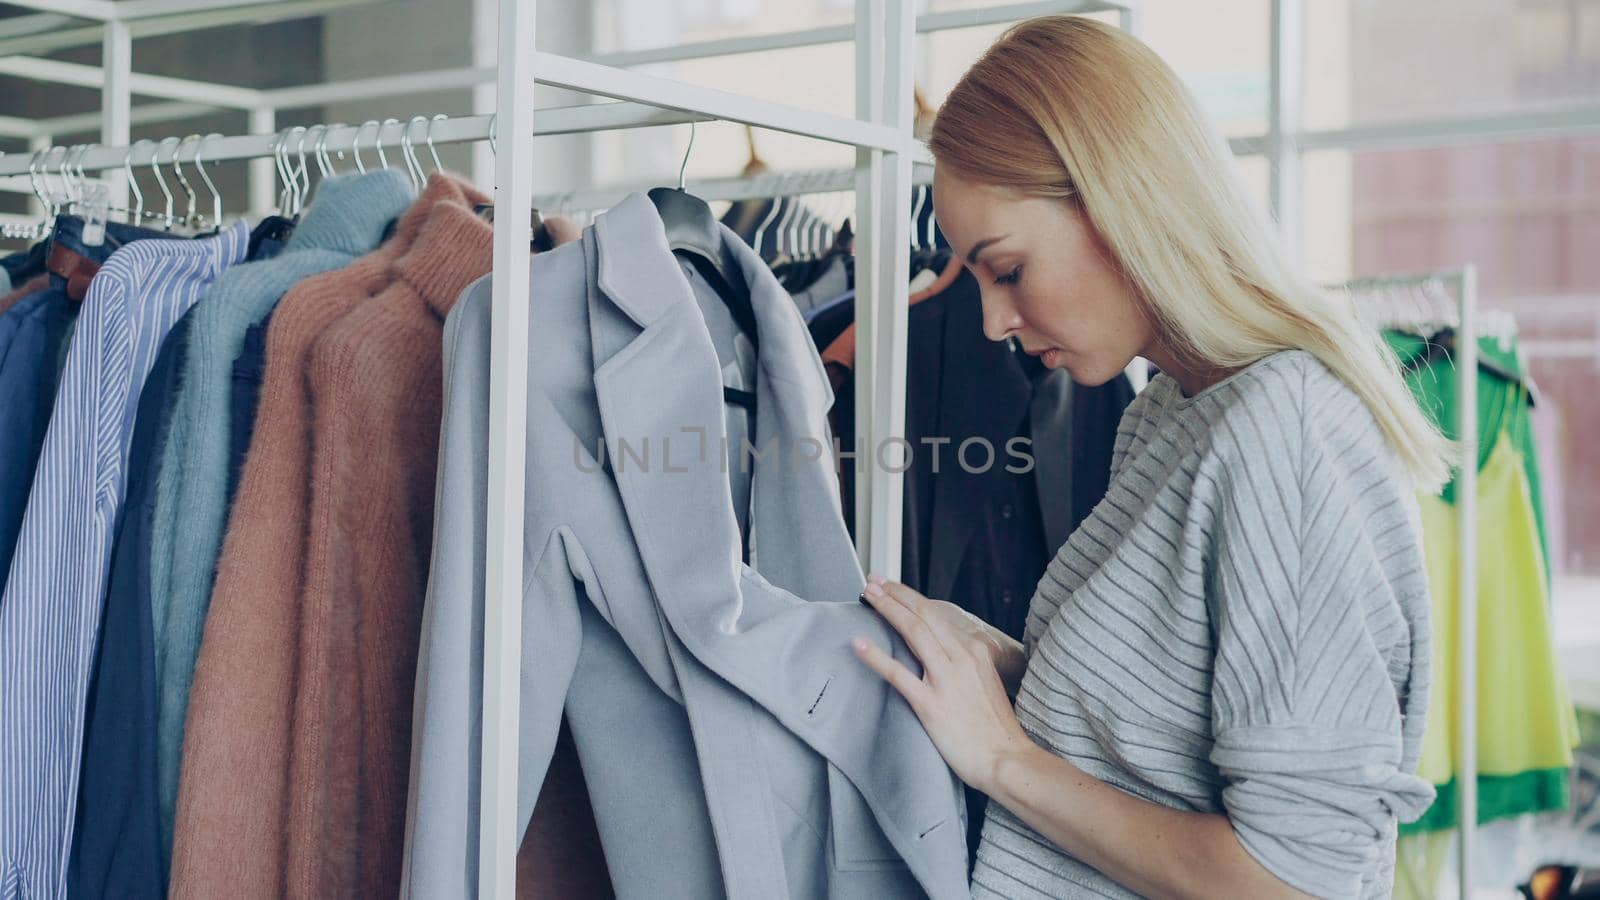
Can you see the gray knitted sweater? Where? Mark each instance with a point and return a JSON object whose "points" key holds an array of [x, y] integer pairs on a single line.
{"points": [[1240, 627]]}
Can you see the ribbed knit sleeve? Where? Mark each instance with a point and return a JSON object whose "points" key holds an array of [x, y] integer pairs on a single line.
{"points": [[1306, 720]]}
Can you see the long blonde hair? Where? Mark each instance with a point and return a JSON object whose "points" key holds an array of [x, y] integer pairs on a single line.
{"points": [[1071, 108]]}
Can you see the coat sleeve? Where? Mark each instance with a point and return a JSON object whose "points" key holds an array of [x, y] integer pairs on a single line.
{"points": [[1306, 712], [442, 810], [442, 841]]}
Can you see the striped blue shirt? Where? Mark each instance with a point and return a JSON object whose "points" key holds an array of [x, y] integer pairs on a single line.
{"points": [[50, 611]]}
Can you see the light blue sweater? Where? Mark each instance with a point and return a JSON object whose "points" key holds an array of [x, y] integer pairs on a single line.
{"points": [[347, 220]]}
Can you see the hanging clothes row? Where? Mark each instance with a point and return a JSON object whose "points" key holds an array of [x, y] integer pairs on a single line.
{"points": [[1526, 723], [241, 517]]}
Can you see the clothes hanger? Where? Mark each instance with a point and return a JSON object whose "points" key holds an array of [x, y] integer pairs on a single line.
{"points": [[761, 230], [297, 169], [216, 198], [167, 218], [71, 192], [377, 141], [190, 219], [441, 117], [541, 239], [133, 186], [819, 246], [291, 184], [951, 267], [320, 151], [693, 232], [409, 151], [57, 199], [355, 144], [281, 166], [918, 200], [286, 172], [781, 231], [1441, 344], [278, 226], [37, 230], [305, 164]]}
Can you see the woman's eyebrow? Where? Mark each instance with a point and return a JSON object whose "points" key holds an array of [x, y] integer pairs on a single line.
{"points": [[972, 255]]}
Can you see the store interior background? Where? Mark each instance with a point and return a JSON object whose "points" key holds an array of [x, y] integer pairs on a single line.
{"points": [[1437, 133]]}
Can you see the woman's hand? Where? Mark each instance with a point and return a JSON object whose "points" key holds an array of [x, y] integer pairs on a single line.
{"points": [[960, 698], [1004, 651]]}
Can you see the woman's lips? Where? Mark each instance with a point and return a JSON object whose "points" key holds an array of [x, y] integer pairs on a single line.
{"points": [[1050, 356]]}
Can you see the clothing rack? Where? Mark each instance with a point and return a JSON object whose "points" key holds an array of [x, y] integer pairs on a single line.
{"points": [[752, 187], [888, 162], [1463, 282]]}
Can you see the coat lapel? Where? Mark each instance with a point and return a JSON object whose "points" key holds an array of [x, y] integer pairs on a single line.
{"points": [[659, 386], [766, 629]]}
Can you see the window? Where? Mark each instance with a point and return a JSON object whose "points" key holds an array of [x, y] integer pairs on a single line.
{"points": [[1528, 216], [1377, 61]]}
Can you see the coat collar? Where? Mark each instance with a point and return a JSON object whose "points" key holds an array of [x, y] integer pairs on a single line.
{"points": [[661, 380]]}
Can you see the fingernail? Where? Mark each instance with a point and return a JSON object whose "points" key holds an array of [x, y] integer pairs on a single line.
{"points": [[859, 644], [875, 578], [873, 589], [863, 599]]}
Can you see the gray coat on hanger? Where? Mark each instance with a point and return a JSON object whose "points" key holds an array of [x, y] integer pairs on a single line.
{"points": [[731, 742]]}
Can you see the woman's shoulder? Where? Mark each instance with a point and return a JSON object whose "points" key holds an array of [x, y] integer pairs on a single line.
{"points": [[1287, 390], [1288, 415]]}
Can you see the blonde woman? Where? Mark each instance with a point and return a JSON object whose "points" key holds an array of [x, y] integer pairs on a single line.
{"points": [[1224, 675]]}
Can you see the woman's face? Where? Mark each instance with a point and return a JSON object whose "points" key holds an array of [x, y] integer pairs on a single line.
{"points": [[1045, 277]]}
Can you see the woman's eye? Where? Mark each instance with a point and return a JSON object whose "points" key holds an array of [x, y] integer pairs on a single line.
{"points": [[1010, 277]]}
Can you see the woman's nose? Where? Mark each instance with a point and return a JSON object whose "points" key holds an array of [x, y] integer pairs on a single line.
{"points": [[1000, 319]]}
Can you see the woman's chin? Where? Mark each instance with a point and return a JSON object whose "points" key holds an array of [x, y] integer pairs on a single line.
{"points": [[1089, 373]]}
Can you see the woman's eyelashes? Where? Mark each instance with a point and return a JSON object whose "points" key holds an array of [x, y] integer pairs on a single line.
{"points": [[1010, 277]]}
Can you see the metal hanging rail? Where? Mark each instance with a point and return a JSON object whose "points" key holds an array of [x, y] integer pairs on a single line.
{"points": [[775, 184], [390, 134], [663, 108]]}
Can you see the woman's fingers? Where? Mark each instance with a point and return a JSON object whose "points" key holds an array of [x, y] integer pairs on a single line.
{"points": [[962, 632], [908, 597], [891, 670], [918, 633]]}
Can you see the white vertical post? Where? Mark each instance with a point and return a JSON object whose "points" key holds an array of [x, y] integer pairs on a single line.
{"points": [[1128, 19], [263, 181], [36, 144], [1467, 577], [1283, 120], [508, 412], [116, 100], [1138, 371], [885, 32], [485, 25]]}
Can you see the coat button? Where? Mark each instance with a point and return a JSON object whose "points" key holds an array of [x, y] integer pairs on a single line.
{"points": [[1005, 511]]}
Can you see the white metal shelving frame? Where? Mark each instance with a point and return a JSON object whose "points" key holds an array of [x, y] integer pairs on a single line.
{"points": [[881, 132], [883, 33]]}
